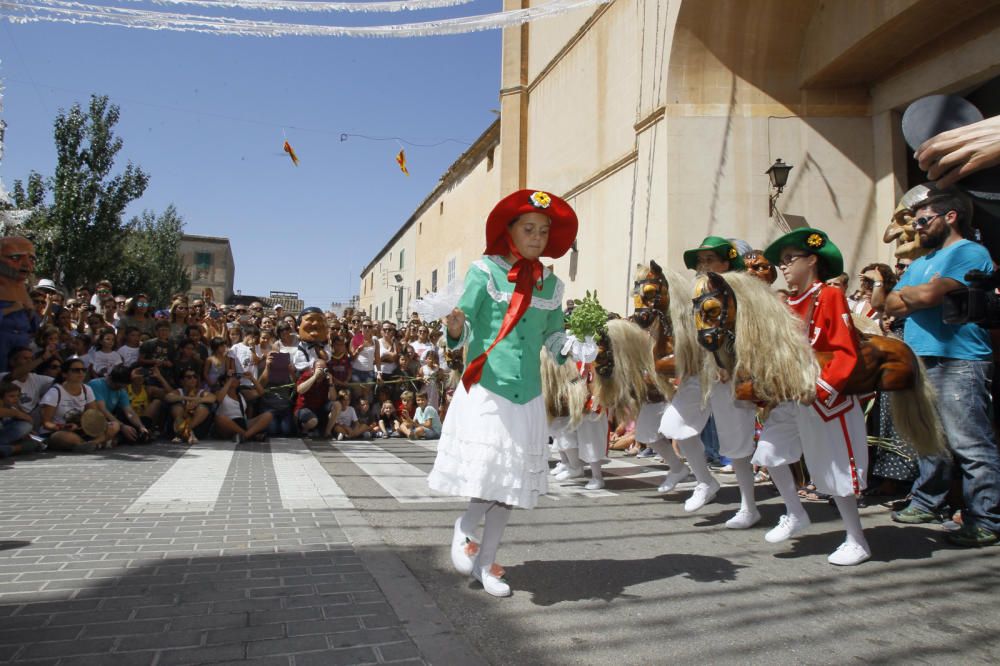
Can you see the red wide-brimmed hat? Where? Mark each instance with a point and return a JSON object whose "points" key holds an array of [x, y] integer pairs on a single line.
{"points": [[564, 222]]}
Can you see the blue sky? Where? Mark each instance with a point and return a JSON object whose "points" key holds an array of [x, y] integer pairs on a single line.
{"points": [[203, 115]]}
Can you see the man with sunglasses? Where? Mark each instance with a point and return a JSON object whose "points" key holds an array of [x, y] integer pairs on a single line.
{"points": [[958, 358]]}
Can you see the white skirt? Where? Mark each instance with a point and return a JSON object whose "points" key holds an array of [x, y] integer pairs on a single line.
{"points": [[734, 422], [590, 438], [792, 431], [685, 415], [492, 449], [647, 425]]}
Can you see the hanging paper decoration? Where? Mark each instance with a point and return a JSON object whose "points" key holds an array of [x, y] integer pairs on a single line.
{"points": [[401, 161], [291, 153], [65, 11], [312, 6]]}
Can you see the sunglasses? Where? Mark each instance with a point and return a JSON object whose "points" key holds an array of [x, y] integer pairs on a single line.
{"points": [[77, 370], [73, 305], [922, 222], [142, 305]]}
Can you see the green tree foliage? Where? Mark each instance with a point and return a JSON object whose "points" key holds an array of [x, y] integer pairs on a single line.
{"points": [[151, 261], [80, 233]]}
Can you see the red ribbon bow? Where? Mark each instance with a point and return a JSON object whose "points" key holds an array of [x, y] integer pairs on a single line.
{"points": [[524, 274]]}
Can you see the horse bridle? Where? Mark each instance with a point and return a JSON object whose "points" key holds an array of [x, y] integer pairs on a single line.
{"points": [[649, 313], [713, 338]]}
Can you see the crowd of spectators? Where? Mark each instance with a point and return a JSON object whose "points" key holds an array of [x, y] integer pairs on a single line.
{"points": [[97, 369]]}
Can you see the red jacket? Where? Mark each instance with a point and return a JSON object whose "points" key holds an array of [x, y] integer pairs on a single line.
{"points": [[830, 329]]}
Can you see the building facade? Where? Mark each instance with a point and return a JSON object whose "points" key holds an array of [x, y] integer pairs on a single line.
{"points": [[657, 121], [209, 262], [435, 246]]}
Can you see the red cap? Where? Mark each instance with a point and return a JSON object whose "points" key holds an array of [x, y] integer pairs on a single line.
{"points": [[564, 222]]}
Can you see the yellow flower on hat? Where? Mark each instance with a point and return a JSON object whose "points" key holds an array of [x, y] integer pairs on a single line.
{"points": [[541, 200], [815, 241], [732, 253]]}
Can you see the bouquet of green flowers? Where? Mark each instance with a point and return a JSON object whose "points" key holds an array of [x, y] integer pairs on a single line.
{"points": [[585, 324]]}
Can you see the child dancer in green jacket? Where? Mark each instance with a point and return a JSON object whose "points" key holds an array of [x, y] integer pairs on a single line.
{"points": [[493, 441]]}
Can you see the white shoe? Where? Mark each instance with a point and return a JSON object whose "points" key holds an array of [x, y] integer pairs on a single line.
{"points": [[849, 554], [672, 479], [237, 439], [569, 473], [787, 527], [493, 585], [560, 466], [744, 519], [702, 495], [726, 469], [459, 557], [340, 436], [595, 484]]}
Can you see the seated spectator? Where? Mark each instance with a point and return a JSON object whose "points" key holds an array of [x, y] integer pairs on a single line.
{"points": [[623, 436], [406, 407], [63, 406], [196, 335], [15, 424], [190, 408], [426, 423], [23, 364], [367, 416], [145, 403], [178, 319], [388, 422], [113, 401], [217, 365], [47, 340], [104, 357], [186, 359], [247, 362], [278, 379], [159, 351], [313, 403], [136, 314], [129, 349], [232, 418], [344, 420]]}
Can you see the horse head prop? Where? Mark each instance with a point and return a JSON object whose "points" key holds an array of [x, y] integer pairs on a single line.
{"points": [[715, 319]]}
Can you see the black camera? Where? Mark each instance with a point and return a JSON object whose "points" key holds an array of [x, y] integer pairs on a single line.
{"points": [[978, 303]]}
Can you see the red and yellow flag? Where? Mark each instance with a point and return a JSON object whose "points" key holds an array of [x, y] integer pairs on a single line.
{"points": [[401, 161], [291, 153]]}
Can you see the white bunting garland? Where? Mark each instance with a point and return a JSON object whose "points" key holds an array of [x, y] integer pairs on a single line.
{"points": [[311, 6], [63, 11]]}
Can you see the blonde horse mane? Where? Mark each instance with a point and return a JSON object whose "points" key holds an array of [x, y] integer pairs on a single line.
{"points": [[633, 370], [688, 354], [771, 346], [565, 392]]}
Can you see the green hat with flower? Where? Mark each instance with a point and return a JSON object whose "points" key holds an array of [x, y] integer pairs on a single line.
{"points": [[812, 241], [721, 247]]}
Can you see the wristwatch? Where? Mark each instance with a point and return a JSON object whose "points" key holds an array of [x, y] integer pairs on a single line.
{"points": [[877, 284]]}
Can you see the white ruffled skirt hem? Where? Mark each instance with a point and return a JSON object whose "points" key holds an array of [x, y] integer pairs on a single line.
{"points": [[492, 449]]}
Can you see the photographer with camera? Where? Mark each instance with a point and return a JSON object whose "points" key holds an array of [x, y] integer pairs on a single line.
{"points": [[958, 358]]}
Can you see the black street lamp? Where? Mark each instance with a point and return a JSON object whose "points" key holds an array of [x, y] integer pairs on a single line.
{"points": [[778, 173]]}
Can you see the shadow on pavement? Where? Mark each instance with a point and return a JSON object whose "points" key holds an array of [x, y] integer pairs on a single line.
{"points": [[553, 581]]}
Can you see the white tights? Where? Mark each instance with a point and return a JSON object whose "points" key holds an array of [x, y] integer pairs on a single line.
{"points": [[496, 516], [571, 459]]}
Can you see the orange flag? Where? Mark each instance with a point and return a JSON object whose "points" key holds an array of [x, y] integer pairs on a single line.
{"points": [[291, 153], [401, 161]]}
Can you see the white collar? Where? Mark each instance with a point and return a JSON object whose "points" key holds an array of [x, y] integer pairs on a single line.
{"points": [[506, 265], [799, 299]]}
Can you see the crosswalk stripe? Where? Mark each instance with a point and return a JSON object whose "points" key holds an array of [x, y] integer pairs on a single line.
{"points": [[302, 481], [405, 482], [192, 484]]}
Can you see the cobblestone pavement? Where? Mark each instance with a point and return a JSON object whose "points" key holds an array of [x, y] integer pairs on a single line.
{"points": [[215, 554]]}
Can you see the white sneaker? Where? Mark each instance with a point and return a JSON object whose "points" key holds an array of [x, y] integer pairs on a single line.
{"points": [[672, 479], [787, 527], [560, 466], [340, 436], [493, 585], [462, 560], [569, 473], [595, 484], [702, 495], [849, 554], [744, 519]]}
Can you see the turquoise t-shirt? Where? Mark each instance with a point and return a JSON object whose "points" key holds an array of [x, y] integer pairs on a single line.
{"points": [[424, 413], [926, 334]]}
